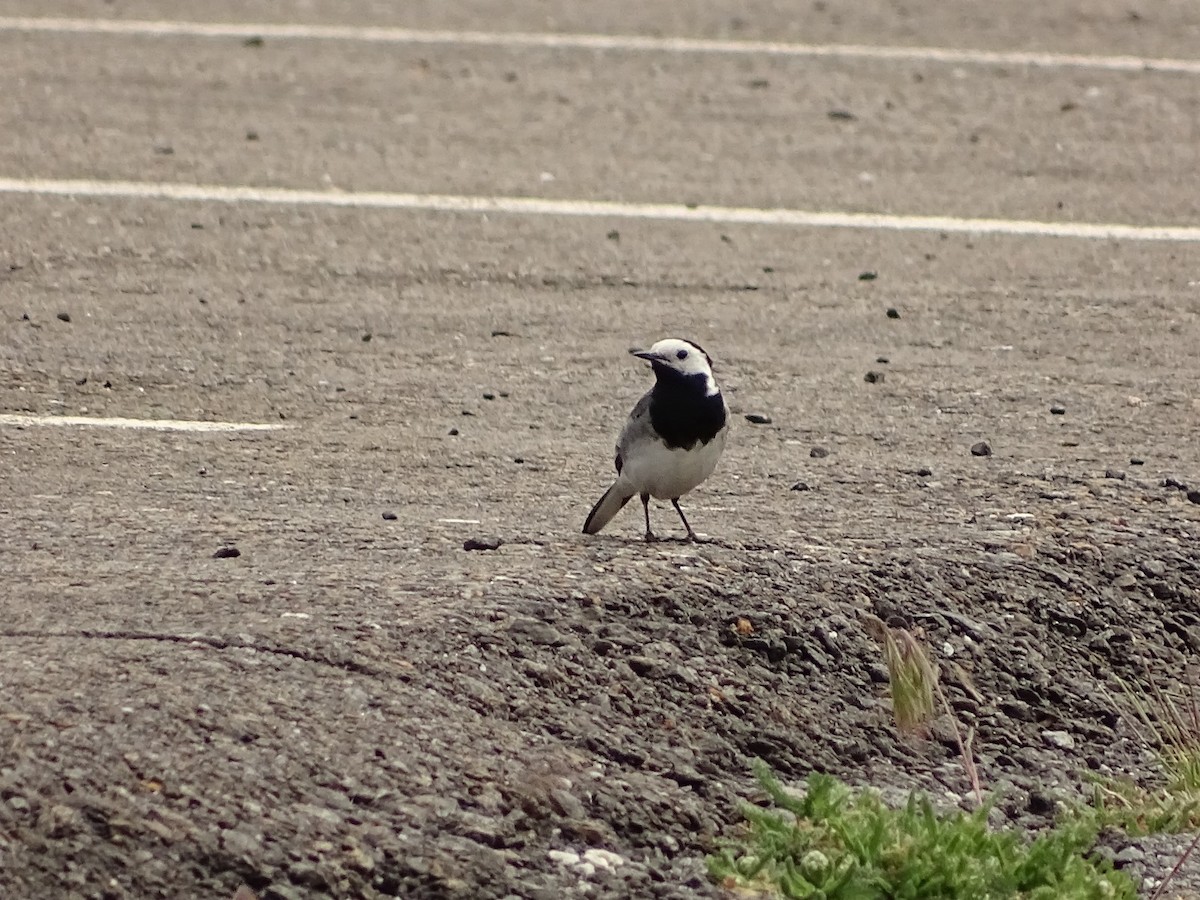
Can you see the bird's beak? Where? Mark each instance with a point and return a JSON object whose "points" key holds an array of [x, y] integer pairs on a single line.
{"points": [[647, 355]]}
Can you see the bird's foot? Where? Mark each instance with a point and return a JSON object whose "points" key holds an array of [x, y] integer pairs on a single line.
{"points": [[651, 537]]}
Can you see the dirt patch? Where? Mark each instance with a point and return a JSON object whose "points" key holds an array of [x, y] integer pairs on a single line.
{"points": [[595, 739]]}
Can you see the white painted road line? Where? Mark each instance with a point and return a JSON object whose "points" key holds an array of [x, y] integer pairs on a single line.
{"points": [[532, 206], [21, 421], [614, 42]]}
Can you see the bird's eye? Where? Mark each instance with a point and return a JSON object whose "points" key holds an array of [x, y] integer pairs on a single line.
{"points": [[682, 354]]}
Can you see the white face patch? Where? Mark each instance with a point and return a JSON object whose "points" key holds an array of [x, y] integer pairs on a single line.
{"points": [[686, 359]]}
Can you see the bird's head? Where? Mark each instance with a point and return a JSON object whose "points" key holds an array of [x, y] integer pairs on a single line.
{"points": [[676, 358]]}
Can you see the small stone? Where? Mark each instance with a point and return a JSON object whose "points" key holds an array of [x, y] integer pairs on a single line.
{"points": [[254, 41], [536, 631], [983, 448], [389, 517], [483, 543], [882, 360], [197, 226], [501, 333], [1115, 474], [366, 338], [164, 150], [843, 115], [867, 276], [873, 377], [1040, 803], [1125, 581], [1057, 410], [893, 313], [81, 381], [643, 665], [924, 472], [1129, 856], [801, 486], [1136, 461], [488, 395], [758, 419], [818, 453], [1170, 482], [519, 460], [566, 804], [603, 859], [1060, 739], [614, 235], [227, 553], [64, 317], [1194, 496], [453, 432], [252, 135]]}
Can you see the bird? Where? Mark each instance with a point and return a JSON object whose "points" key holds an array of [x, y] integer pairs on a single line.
{"points": [[673, 437]]}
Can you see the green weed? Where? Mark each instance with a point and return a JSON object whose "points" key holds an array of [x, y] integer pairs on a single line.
{"points": [[837, 844]]}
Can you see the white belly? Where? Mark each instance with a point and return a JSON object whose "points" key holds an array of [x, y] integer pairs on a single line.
{"points": [[666, 474]]}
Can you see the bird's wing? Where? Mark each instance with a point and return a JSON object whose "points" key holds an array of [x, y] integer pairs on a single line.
{"points": [[637, 430]]}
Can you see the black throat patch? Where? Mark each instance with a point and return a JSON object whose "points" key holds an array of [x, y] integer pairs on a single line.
{"points": [[681, 413]]}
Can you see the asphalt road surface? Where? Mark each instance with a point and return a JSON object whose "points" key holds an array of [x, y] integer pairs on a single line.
{"points": [[353, 704]]}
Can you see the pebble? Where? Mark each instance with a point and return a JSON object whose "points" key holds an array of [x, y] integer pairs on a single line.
{"points": [[1136, 461], [536, 631], [801, 486], [1114, 473], [1060, 739], [564, 857], [893, 313], [389, 516], [758, 419], [64, 317], [643, 665], [924, 472], [867, 276], [603, 859], [1131, 854], [1057, 410], [482, 543], [818, 453], [873, 377], [983, 448], [1194, 496], [1041, 803], [227, 553]]}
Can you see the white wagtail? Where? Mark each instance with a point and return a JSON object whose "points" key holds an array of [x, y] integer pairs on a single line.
{"points": [[673, 438]]}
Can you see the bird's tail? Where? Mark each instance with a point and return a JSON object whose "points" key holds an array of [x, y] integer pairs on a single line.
{"points": [[606, 507]]}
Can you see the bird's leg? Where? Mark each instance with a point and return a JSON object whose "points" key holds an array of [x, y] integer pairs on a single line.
{"points": [[646, 508], [691, 534]]}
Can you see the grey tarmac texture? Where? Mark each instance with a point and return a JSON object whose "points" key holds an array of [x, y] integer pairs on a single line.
{"points": [[357, 706]]}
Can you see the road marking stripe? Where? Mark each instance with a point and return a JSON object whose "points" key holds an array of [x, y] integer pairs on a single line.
{"points": [[730, 215], [619, 42], [148, 424]]}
